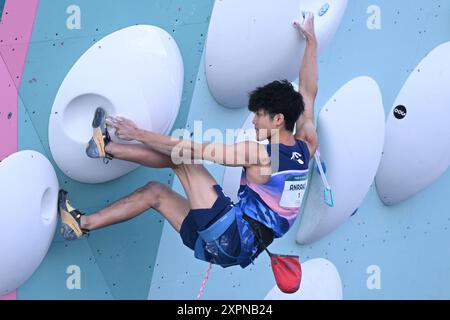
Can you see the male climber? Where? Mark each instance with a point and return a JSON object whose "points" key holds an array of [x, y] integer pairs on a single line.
{"points": [[272, 183]]}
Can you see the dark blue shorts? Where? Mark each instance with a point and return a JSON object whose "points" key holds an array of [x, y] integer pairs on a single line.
{"points": [[200, 219]]}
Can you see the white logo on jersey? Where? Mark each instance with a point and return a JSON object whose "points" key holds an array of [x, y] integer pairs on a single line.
{"points": [[296, 157]]}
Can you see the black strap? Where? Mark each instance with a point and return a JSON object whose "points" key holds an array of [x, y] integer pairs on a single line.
{"points": [[261, 232], [107, 139]]}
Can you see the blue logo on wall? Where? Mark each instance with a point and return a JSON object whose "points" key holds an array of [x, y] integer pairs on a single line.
{"points": [[324, 9]]}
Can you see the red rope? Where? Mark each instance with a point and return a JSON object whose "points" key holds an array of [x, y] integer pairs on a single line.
{"points": [[204, 282]]}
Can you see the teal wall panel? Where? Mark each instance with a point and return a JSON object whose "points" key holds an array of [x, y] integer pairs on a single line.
{"points": [[50, 281], [2, 5], [124, 253], [406, 241]]}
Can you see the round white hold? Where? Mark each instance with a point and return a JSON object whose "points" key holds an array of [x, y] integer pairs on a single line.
{"points": [[137, 73], [28, 215], [253, 42], [420, 120], [351, 133]]}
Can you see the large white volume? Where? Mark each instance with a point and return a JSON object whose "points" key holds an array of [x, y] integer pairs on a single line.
{"points": [[351, 135], [253, 42], [320, 281], [28, 203], [417, 146], [136, 72]]}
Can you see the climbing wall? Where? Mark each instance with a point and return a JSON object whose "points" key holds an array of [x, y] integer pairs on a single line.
{"points": [[381, 252], [117, 262], [15, 31]]}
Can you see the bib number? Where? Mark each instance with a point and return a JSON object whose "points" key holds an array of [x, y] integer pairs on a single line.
{"points": [[294, 190]]}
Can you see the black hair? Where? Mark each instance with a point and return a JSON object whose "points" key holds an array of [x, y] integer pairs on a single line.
{"points": [[278, 97]]}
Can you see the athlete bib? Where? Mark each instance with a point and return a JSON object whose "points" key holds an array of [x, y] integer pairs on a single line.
{"points": [[293, 192]]}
